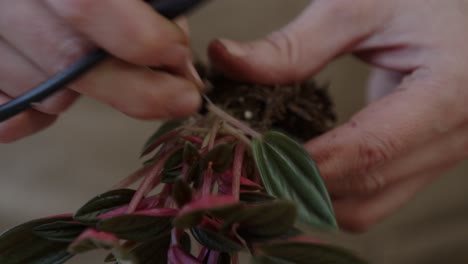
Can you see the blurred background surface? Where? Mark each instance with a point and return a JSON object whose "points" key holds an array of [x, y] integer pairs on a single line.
{"points": [[91, 147]]}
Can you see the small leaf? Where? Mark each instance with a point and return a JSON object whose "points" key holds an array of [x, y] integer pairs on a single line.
{"points": [[191, 214], [215, 241], [255, 197], [153, 142], [173, 167], [220, 158], [136, 227], [61, 231], [195, 174], [103, 203], [304, 253], [263, 221], [92, 239], [153, 251], [288, 172], [191, 153], [150, 162], [181, 192], [185, 242], [20, 245]]}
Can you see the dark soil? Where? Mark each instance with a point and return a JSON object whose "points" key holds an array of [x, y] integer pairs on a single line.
{"points": [[302, 110]]}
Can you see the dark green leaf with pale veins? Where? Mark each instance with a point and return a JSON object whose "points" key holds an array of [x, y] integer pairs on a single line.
{"points": [[215, 240], [61, 231], [134, 227], [103, 203], [263, 221], [288, 172], [20, 245]]}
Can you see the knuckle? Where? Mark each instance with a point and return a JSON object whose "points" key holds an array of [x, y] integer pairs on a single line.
{"points": [[68, 52], [374, 150]]}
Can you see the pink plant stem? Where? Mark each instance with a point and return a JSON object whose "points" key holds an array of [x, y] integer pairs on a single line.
{"points": [[134, 177], [256, 177], [233, 121], [223, 140], [207, 181], [185, 171], [237, 169], [154, 176], [193, 139], [213, 134]]}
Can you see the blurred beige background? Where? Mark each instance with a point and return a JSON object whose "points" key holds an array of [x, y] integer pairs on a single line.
{"points": [[92, 147]]}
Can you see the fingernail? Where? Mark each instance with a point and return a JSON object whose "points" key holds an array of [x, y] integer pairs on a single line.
{"points": [[232, 47]]}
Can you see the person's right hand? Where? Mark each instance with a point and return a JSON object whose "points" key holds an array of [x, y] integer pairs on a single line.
{"points": [[41, 38]]}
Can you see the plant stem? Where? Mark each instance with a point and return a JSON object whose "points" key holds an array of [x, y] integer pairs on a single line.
{"points": [[237, 169], [233, 121], [207, 181], [151, 178], [213, 134], [236, 133], [132, 178]]}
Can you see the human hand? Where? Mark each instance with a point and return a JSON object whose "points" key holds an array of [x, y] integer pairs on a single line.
{"points": [[41, 38], [416, 126]]}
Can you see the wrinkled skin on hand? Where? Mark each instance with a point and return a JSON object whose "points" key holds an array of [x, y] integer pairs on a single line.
{"points": [[41, 38], [415, 126]]}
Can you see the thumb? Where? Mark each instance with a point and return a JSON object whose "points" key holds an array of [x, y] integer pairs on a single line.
{"points": [[326, 29]]}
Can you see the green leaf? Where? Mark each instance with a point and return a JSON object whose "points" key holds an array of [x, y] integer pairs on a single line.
{"points": [[288, 172], [185, 242], [150, 162], [304, 253], [150, 252], [173, 167], [103, 203], [181, 192], [163, 130], [61, 231], [136, 227], [195, 174], [263, 221], [255, 197], [215, 241], [20, 245], [220, 157], [218, 205], [191, 154]]}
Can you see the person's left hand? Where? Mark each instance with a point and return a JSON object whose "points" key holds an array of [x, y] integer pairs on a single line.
{"points": [[417, 129]]}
